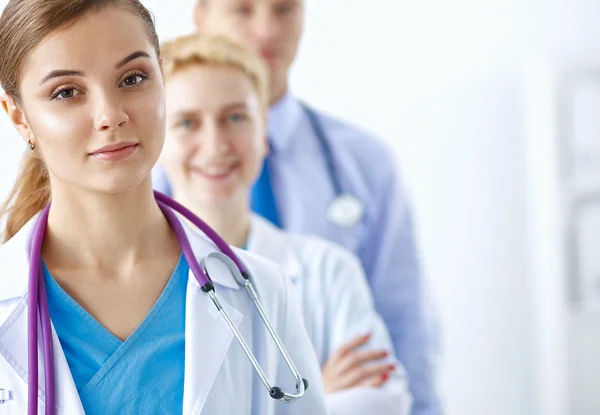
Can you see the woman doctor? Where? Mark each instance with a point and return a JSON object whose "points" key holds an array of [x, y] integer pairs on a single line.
{"points": [[132, 330], [216, 140]]}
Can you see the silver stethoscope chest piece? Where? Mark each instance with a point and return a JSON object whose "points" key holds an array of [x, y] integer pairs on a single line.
{"points": [[345, 210]]}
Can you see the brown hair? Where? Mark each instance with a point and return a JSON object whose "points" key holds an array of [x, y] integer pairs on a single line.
{"points": [[197, 49], [23, 25]]}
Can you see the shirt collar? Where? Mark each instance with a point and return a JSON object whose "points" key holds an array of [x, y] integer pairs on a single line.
{"points": [[284, 116], [268, 241]]}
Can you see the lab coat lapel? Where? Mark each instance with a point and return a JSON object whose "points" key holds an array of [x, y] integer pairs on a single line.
{"points": [[208, 337], [13, 333], [13, 347]]}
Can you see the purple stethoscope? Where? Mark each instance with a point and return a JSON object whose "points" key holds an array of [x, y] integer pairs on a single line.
{"points": [[37, 290]]}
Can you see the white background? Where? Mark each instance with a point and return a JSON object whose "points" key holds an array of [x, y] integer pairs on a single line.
{"points": [[463, 92]]}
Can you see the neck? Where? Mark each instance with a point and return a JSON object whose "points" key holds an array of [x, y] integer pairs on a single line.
{"points": [[230, 220], [279, 88], [110, 232]]}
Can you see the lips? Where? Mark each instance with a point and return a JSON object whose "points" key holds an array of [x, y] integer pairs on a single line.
{"points": [[216, 172], [268, 53], [113, 147], [115, 152]]}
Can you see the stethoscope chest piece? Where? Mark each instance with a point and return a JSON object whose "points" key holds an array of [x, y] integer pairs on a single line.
{"points": [[345, 211]]}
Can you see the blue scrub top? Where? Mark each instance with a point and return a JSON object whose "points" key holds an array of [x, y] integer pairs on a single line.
{"points": [[143, 374]]}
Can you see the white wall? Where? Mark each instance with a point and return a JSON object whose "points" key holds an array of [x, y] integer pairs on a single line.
{"points": [[568, 39], [472, 116], [440, 81], [443, 83]]}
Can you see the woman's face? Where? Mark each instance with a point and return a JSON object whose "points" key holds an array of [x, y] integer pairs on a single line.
{"points": [[216, 137], [92, 101]]}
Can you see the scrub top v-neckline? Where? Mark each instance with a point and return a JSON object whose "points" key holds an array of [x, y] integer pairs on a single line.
{"points": [[96, 356]]}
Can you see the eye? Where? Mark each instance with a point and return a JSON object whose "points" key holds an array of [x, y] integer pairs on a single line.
{"points": [[133, 79], [64, 94], [286, 8], [243, 9], [186, 124], [237, 117]]}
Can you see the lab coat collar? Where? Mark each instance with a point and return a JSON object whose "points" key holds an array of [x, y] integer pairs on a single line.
{"points": [[267, 240], [14, 254], [207, 334], [201, 246], [284, 117], [13, 348]]}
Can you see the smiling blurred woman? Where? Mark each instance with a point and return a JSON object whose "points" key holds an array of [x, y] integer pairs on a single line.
{"points": [[216, 95]]}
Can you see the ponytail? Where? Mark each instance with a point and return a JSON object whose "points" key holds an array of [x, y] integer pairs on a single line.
{"points": [[29, 195]]}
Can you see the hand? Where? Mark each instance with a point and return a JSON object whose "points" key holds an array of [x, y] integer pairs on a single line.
{"points": [[347, 367]]}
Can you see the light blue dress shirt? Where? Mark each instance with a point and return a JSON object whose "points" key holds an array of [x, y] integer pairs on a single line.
{"points": [[383, 239]]}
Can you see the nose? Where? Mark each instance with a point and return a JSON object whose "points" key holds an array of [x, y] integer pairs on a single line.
{"points": [[110, 115], [214, 141], [265, 25]]}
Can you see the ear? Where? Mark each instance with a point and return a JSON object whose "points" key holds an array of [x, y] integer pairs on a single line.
{"points": [[264, 148], [199, 13], [17, 118]]}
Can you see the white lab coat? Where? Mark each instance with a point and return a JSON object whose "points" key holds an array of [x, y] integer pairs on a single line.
{"points": [[337, 305], [219, 379]]}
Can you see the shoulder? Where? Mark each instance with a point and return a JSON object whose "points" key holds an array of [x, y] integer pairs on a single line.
{"points": [[363, 145], [308, 256], [313, 247], [322, 259], [368, 165], [14, 262], [311, 250]]}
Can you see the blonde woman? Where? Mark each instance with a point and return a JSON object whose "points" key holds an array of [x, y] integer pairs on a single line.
{"points": [[217, 98]]}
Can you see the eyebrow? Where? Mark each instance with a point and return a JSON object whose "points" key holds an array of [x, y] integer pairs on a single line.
{"points": [[235, 105], [185, 113], [129, 58], [65, 72], [194, 112], [58, 73]]}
